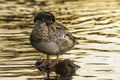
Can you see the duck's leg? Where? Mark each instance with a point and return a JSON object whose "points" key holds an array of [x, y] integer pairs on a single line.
{"points": [[57, 58], [48, 58], [46, 61], [54, 63]]}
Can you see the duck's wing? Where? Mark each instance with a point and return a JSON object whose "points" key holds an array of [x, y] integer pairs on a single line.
{"points": [[64, 32], [65, 39]]}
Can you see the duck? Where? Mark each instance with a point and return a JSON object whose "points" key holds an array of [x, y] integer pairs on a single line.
{"points": [[50, 37]]}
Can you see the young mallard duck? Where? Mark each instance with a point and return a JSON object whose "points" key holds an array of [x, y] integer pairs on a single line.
{"points": [[50, 37]]}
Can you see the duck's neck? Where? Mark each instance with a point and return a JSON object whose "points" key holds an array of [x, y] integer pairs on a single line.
{"points": [[52, 26]]}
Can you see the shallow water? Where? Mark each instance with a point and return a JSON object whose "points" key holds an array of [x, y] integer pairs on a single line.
{"points": [[95, 23]]}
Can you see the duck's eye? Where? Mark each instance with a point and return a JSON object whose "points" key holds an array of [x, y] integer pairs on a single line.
{"points": [[48, 18]]}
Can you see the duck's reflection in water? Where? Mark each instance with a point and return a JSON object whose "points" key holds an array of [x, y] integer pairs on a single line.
{"points": [[65, 69], [60, 77]]}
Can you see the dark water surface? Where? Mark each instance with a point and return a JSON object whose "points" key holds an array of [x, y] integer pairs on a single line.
{"points": [[95, 23]]}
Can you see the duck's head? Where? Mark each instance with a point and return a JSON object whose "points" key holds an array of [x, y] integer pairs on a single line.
{"points": [[46, 17]]}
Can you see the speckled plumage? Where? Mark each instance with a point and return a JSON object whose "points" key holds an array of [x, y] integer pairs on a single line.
{"points": [[51, 39]]}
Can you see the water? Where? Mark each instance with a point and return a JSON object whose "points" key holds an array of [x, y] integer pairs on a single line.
{"points": [[95, 23]]}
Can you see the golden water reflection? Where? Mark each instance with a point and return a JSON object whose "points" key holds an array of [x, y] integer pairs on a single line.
{"points": [[95, 23]]}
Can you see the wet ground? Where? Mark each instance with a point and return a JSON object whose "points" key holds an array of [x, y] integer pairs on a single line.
{"points": [[95, 23]]}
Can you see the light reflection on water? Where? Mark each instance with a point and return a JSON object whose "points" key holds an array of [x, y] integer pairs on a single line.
{"points": [[94, 23]]}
